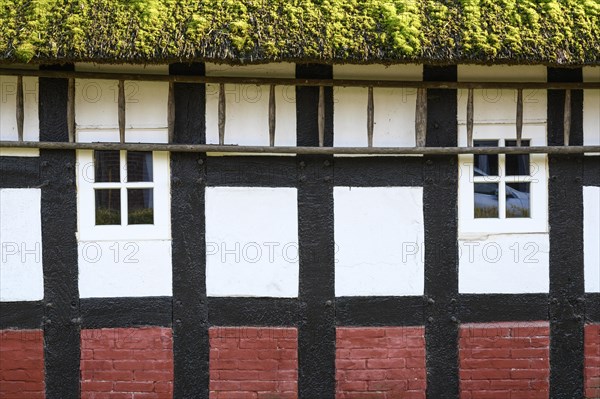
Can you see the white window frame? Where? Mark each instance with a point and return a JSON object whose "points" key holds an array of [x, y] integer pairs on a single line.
{"points": [[538, 221], [86, 199]]}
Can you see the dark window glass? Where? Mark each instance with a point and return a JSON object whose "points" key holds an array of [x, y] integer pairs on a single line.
{"points": [[139, 166], [108, 207], [486, 165], [486, 200], [517, 200], [140, 204], [517, 164], [106, 165]]}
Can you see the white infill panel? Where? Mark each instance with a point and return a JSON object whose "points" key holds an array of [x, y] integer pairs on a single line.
{"points": [[394, 108], [21, 273], [591, 108], [124, 268], [591, 238], [379, 241], [504, 264], [247, 106], [500, 105], [8, 114], [96, 105], [252, 242]]}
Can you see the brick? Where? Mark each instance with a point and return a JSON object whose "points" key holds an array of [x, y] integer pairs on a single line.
{"points": [[360, 395], [281, 395], [529, 374], [385, 363], [490, 394], [342, 333], [127, 363], [111, 375], [388, 385], [592, 360], [487, 374], [386, 353], [513, 384], [253, 363], [133, 386], [352, 385], [512, 364], [537, 394], [97, 386], [347, 364], [474, 385], [529, 353], [21, 364]]}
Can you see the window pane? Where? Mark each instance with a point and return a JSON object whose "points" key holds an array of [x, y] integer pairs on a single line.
{"points": [[108, 207], [517, 164], [139, 166], [106, 166], [486, 200], [486, 165], [517, 200], [140, 206]]}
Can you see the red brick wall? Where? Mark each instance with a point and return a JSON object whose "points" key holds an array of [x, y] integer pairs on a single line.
{"points": [[592, 361], [253, 363], [505, 360], [21, 364], [380, 363], [132, 363]]}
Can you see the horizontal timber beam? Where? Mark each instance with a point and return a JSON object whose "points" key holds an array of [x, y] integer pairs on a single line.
{"points": [[214, 148], [300, 82]]}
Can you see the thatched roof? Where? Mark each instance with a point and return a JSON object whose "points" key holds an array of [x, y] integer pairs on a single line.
{"points": [[551, 32]]}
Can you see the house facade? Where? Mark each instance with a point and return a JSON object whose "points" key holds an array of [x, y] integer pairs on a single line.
{"points": [[233, 200]]}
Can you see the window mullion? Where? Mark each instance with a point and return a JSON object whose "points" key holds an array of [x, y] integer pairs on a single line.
{"points": [[124, 205], [502, 187]]}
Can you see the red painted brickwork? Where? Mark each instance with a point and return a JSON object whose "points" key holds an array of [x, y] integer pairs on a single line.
{"points": [[253, 363], [127, 363], [505, 360], [382, 363], [21, 364], [592, 361]]}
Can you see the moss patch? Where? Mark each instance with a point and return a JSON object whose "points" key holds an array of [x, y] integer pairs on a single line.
{"points": [[554, 32]]}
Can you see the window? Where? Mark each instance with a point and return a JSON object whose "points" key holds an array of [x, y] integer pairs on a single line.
{"points": [[123, 194], [503, 193], [127, 200], [502, 183]]}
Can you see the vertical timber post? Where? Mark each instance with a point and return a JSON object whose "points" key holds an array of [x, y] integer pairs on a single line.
{"points": [[565, 217], [190, 311], [316, 328], [59, 244], [441, 233]]}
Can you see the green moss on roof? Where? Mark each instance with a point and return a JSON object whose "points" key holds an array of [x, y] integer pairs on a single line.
{"points": [[552, 32]]}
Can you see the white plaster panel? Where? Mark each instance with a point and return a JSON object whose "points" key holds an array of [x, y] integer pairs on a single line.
{"points": [[412, 72], [500, 106], [394, 109], [504, 264], [21, 274], [251, 242], [379, 241], [591, 108], [96, 104], [394, 117], [96, 100], [124, 268], [591, 238], [8, 118], [247, 106]]}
